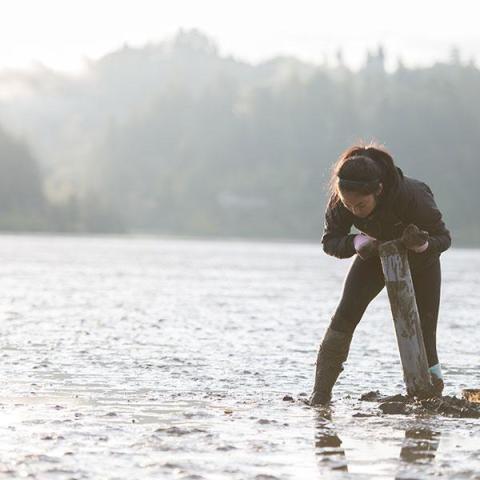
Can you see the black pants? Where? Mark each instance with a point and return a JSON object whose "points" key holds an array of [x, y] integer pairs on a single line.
{"points": [[364, 282]]}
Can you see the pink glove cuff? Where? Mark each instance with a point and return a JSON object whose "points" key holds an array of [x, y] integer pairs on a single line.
{"points": [[421, 248], [360, 240]]}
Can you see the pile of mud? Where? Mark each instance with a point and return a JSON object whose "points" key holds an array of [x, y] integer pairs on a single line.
{"points": [[403, 405]]}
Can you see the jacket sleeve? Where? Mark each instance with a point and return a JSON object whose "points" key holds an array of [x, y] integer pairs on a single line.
{"points": [[337, 240], [424, 213]]}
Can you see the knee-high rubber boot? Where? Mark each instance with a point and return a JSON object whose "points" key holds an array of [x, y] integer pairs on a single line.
{"points": [[332, 353]]}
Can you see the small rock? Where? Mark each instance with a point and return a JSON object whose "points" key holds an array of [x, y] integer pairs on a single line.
{"points": [[288, 398], [177, 431], [371, 396], [264, 421], [226, 448], [393, 408], [396, 398]]}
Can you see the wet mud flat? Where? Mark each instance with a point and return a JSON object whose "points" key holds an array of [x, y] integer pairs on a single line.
{"points": [[180, 359]]}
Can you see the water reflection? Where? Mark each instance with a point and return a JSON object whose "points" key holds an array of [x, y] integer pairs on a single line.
{"points": [[419, 448], [420, 443], [330, 455]]}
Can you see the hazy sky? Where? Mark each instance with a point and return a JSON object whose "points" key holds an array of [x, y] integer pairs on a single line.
{"points": [[61, 33]]}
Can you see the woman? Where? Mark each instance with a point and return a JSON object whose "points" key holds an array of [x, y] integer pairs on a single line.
{"points": [[368, 191]]}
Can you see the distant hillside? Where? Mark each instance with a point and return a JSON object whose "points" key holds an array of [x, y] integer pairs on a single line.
{"points": [[21, 197], [174, 138]]}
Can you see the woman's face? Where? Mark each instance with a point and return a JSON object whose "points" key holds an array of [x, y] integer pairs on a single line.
{"points": [[360, 205]]}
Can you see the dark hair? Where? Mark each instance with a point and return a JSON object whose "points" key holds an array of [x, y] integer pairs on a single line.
{"points": [[361, 168]]}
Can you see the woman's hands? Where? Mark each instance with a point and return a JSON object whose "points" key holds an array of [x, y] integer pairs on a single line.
{"points": [[366, 246], [415, 239], [412, 238]]}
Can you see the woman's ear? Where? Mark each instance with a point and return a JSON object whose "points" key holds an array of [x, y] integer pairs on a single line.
{"points": [[380, 189]]}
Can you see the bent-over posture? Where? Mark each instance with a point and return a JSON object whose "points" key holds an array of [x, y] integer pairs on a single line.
{"points": [[369, 191]]}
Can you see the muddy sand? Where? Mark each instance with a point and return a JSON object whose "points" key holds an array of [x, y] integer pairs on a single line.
{"points": [[154, 358]]}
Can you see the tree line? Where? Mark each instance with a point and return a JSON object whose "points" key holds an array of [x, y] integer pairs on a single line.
{"points": [[173, 138]]}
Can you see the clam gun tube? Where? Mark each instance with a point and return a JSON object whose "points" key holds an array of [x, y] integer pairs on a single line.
{"points": [[401, 294]]}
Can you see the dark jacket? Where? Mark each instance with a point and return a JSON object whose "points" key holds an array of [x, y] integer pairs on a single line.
{"points": [[407, 201]]}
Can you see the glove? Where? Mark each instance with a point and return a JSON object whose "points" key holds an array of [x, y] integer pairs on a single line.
{"points": [[414, 239], [366, 246]]}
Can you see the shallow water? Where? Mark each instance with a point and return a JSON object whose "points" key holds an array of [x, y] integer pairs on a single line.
{"points": [[153, 358]]}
